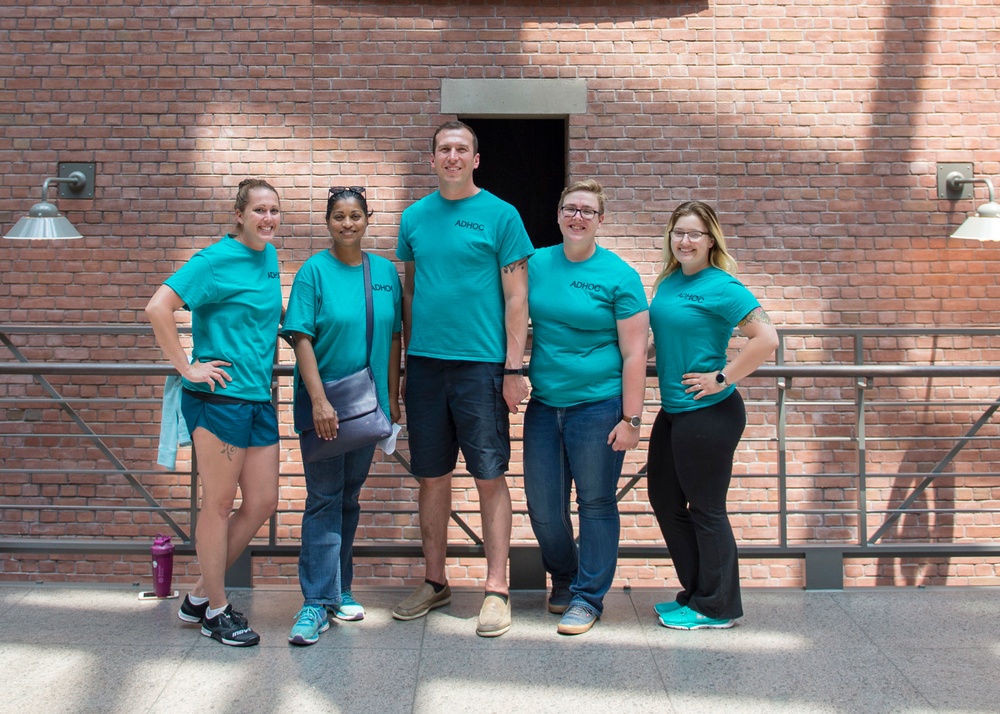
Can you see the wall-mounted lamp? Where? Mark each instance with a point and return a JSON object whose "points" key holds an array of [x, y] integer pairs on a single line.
{"points": [[44, 222], [954, 181]]}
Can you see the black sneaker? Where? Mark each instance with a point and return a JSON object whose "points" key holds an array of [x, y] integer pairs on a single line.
{"points": [[190, 612], [230, 628], [559, 599]]}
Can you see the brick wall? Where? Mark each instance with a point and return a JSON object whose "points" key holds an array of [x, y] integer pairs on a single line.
{"points": [[815, 129]]}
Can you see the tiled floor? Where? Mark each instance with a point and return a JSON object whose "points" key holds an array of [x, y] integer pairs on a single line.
{"points": [[71, 649]]}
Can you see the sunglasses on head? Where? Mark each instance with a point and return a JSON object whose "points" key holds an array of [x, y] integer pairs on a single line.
{"points": [[337, 190]]}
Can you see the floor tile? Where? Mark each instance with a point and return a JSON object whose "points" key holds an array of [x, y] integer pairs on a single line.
{"points": [[78, 649]]}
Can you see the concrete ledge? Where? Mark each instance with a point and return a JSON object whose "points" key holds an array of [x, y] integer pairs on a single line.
{"points": [[514, 97]]}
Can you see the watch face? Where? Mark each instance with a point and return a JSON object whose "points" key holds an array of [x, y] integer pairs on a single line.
{"points": [[634, 421], [720, 378]]}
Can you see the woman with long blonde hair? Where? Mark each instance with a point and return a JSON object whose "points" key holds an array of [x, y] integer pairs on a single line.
{"points": [[696, 304]]}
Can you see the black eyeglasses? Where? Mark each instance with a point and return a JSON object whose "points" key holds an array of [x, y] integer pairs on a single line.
{"points": [[585, 213], [337, 190]]}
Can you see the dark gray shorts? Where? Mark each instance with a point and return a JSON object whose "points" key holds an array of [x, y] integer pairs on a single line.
{"points": [[452, 404]]}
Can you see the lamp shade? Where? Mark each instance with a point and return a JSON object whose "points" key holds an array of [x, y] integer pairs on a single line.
{"points": [[985, 225], [43, 222]]}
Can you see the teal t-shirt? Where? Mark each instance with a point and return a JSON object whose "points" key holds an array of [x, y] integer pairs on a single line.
{"points": [[458, 249], [575, 308], [234, 295], [328, 304], [693, 319]]}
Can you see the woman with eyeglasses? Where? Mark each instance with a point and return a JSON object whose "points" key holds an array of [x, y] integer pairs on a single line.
{"points": [[326, 320], [697, 302], [233, 290], [588, 372]]}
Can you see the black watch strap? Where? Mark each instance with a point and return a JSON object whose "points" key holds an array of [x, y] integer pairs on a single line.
{"points": [[508, 370]]}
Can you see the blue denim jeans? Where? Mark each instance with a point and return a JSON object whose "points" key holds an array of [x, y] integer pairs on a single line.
{"points": [[328, 524], [562, 447]]}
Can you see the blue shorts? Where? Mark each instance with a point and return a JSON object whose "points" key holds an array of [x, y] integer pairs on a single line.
{"points": [[236, 422], [452, 404]]}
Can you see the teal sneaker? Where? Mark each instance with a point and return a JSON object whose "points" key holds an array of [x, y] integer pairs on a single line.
{"points": [[349, 609], [662, 608], [687, 619], [309, 623]]}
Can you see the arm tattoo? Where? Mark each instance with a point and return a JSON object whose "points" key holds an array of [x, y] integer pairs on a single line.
{"points": [[521, 264], [756, 315]]}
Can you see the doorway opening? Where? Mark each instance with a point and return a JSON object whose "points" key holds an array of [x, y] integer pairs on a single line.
{"points": [[523, 161]]}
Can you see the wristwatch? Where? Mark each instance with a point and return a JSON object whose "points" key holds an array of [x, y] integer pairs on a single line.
{"points": [[721, 379], [634, 421], [508, 370]]}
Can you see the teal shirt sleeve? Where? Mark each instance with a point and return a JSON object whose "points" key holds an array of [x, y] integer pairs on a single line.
{"points": [[403, 250], [630, 296], [300, 315], [194, 282]]}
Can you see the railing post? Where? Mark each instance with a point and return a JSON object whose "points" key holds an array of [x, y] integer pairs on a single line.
{"points": [[240, 575], [860, 387], [526, 569], [824, 569], [783, 384]]}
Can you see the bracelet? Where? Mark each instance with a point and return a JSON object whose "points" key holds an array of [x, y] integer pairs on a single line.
{"points": [[519, 370]]}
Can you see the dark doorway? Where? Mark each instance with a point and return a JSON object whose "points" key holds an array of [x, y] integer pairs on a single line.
{"points": [[523, 161]]}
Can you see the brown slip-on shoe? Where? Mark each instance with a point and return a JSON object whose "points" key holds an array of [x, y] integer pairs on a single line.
{"points": [[494, 618], [421, 601]]}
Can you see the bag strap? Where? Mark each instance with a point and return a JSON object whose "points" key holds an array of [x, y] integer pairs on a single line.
{"points": [[369, 316]]}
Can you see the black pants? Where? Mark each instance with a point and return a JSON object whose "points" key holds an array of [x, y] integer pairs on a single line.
{"points": [[690, 466]]}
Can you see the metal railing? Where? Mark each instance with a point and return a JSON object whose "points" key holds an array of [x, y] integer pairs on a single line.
{"points": [[778, 394]]}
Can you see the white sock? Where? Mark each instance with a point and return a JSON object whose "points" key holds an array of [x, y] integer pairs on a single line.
{"points": [[197, 600], [215, 611]]}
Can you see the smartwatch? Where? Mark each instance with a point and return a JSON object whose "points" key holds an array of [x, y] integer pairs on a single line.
{"points": [[635, 421], [721, 379]]}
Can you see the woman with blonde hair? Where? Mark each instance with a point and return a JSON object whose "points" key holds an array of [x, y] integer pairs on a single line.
{"points": [[696, 304]]}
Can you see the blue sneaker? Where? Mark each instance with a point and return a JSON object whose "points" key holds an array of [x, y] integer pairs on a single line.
{"points": [[559, 599], [309, 623], [662, 608], [349, 609], [577, 619], [687, 619]]}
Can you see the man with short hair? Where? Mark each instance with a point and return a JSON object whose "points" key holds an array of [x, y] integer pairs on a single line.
{"points": [[465, 324]]}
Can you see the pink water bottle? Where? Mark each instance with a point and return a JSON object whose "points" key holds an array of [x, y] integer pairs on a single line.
{"points": [[163, 565]]}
